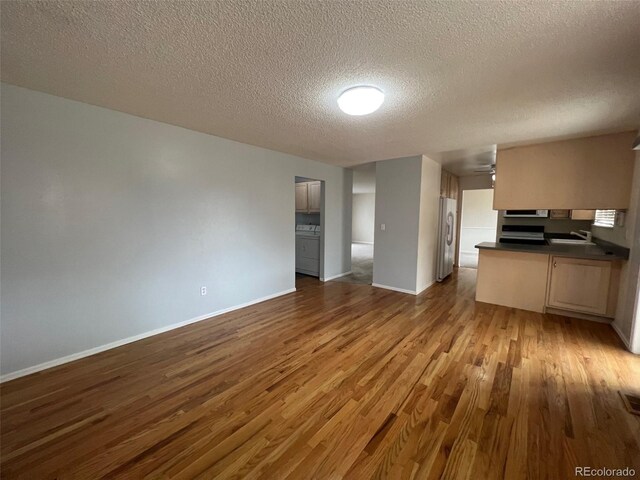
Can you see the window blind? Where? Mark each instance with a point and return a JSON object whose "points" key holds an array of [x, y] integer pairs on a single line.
{"points": [[605, 218]]}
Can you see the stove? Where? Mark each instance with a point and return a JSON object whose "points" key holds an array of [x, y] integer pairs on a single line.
{"points": [[527, 234]]}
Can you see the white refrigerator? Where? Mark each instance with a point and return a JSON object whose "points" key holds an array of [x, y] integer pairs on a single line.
{"points": [[446, 238]]}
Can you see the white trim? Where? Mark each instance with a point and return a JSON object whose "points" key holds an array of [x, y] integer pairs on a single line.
{"points": [[403, 290], [582, 316], [425, 287], [343, 274], [135, 338], [623, 338], [395, 289], [366, 243]]}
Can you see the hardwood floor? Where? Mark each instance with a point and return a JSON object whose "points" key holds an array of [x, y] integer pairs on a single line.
{"points": [[336, 381]]}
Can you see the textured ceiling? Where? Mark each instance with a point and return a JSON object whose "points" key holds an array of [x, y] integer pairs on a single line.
{"points": [[457, 74]]}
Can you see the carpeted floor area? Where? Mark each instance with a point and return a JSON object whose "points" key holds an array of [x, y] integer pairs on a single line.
{"points": [[361, 265]]}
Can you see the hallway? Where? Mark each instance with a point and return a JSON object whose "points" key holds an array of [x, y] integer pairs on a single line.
{"points": [[361, 265]]}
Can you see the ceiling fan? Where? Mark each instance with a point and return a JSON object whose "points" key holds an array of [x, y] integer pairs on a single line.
{"points": [[488, 169]]}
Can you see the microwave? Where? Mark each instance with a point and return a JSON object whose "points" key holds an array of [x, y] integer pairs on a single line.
{"points": [[526, 213]]}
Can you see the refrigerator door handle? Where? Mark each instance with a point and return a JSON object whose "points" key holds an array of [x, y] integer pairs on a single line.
{"points": [[449, 228]]}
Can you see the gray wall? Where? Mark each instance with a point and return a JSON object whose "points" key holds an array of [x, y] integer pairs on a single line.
{"points": [[111, 223], [364, 207], [407, 193], [398, 207]]}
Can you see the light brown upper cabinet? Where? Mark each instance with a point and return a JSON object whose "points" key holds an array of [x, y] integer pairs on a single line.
{"points": [[302, 198], [448, 185], [453, 187], [582, 174], [314, 197], [308, 197]]}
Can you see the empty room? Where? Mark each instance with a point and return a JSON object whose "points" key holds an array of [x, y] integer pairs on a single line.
{"points": [[304, 239]]}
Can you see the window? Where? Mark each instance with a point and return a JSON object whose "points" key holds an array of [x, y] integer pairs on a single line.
{"points": [[605, 218]]}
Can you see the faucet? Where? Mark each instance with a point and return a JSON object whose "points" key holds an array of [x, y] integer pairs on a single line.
{"points": [[587, 235]]}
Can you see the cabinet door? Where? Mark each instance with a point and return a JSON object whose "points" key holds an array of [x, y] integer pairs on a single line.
{"points": [[580, 285], [444, 184], [583, 214], [302, 203], [582, 173], [453, 187], [314, 197]]}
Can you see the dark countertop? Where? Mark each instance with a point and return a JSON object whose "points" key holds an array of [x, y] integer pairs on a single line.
{"points": [[601, 251]]}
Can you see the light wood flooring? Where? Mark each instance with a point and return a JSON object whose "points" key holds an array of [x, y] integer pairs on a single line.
{"points": [[336, 381]]}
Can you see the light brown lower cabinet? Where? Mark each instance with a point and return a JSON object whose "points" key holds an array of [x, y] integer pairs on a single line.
{"points": [[512, 279], [581, 285], [540, 282]]}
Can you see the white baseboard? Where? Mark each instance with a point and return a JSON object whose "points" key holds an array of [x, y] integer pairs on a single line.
{"points": [[425, 287], [624, 339], [402, 290], [135, 338], [343, 274], [395, 289]]}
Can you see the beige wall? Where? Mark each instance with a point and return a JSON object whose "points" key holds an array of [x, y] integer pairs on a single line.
{"points": [[627, 314]]}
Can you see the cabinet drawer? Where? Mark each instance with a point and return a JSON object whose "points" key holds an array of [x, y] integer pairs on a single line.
{"points": [[579, 285]]}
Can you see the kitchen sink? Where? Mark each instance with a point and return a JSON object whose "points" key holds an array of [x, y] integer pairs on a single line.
{"points": [[569, 241]]}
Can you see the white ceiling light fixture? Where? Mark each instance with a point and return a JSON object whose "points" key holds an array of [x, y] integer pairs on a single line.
{"points": [[360, 100]]}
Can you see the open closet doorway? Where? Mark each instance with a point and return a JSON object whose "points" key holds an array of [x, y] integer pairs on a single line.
{"points": [[309, 228], [362, 225]]}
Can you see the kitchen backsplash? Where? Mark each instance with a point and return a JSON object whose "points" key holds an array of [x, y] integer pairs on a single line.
{"points": [[550, 225]]}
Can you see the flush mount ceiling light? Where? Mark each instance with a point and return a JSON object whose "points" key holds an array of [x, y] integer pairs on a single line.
{"points": [[361, 100]]}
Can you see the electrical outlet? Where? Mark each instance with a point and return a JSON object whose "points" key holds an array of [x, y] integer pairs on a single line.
{"points": [[383, 227], [203, 291]]}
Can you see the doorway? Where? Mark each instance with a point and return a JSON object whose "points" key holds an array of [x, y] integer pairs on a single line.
{"points": [[362, 225], [478, 224], [309, 228]]}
